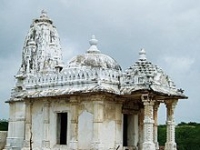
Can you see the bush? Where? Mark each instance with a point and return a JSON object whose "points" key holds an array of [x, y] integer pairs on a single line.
{"points": [[3, 125], [187, 136]]}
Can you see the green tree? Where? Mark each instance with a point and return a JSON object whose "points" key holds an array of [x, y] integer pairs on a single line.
{"points": [[187, 135], [3, 125], [162, 134]]}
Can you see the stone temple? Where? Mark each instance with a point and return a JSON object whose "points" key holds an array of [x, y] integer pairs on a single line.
{"points": [[89, 103]]}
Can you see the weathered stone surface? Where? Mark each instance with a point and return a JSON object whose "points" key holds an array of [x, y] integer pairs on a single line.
{"points": [[89, 103], [3, 135], [144, 75], [93, 58]]}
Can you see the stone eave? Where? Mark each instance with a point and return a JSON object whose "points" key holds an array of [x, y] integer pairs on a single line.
{"points": [[14, 99], [157, 95], [159, 91], [63, 92], [84, 95], [168, 93]]}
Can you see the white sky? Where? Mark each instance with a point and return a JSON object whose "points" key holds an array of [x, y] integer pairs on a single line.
{"points": [[168, 30]]}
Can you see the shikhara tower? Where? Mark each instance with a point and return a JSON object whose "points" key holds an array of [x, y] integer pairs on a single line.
{"points": [[42, 50], [89, 103]]}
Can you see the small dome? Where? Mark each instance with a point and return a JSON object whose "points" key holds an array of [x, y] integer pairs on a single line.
{"points": [[93, 58], [145, 75]]}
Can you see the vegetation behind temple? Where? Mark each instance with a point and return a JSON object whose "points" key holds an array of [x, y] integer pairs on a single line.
{"points": [[187, 135], [3, 125]]}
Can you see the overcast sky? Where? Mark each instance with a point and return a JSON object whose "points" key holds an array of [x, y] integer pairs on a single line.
{"points": [[168, 30]]}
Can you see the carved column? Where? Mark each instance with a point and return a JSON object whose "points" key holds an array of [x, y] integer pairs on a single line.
{"points": [[97, 123], [45, 141], [74, 124], [155, 130], [148, 143], [170, 143]]}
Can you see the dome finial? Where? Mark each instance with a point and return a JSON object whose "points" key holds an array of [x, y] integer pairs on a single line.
{"points": [[93, 40], [43, 14], [142, 54], [93, 45]]}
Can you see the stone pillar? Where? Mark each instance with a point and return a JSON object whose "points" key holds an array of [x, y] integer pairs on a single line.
{"points": [[118, 127], [45, 141], [16, 127], [74, 124], [170, 143], [148, 143], [28, 127], [155, 130], [135, 129], [140, 131], [97, 123]]}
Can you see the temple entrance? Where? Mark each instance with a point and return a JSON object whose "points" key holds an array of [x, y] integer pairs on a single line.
{"points": [[62, 128], [128, 130], [131, 111], [125, 127]]}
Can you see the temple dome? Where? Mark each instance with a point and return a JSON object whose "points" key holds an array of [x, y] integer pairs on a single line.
{"points": [[93, 58], [144, 75]]}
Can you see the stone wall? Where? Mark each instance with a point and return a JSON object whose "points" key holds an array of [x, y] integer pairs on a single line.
{"points": [[3, 135]]}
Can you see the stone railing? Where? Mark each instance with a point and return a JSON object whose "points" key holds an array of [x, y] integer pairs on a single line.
{"points": [[72, 75]]}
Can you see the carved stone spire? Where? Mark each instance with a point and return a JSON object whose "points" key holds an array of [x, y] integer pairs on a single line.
{"points": [[42, 50]]}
